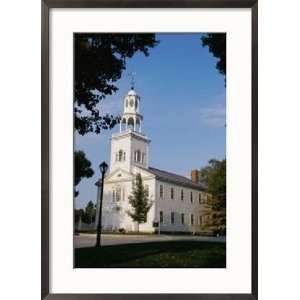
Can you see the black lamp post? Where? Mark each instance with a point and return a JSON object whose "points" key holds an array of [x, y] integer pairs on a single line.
{"points": [[103, 168]]}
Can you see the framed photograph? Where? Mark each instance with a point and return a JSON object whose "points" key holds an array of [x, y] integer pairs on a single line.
{"points": [[149, 149]]}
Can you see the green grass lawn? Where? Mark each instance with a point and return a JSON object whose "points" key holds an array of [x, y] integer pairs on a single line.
{"points": [[176, 254]]}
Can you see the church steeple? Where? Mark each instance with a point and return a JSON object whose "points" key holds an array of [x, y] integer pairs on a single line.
{"points": [[131, 118], [130, 147]]}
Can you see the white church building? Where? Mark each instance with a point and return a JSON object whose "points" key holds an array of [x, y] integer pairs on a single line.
{"points": [[179, 203]]}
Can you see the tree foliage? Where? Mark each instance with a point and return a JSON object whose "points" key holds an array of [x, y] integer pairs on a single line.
{"points": [[82, 168], [216, 43], [140, 202], [99, 62], [87, 215], [213, 177]]}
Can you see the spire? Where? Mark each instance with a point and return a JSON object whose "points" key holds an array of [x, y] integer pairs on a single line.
{"points": [[131, 119], [132, 79]]}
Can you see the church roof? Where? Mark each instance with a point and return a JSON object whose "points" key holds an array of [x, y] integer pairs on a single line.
{"points": [[174, 178], [132, 92], [169, 177]]}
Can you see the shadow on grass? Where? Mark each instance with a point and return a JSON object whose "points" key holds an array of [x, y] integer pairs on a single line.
{"points": [[174, 254]]}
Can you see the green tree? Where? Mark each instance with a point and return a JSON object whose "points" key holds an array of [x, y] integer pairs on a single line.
{"points": [[140, 202], [82, 168], [78, 213], [90, 213], [213, 178], [99, 62], [216, 43]]}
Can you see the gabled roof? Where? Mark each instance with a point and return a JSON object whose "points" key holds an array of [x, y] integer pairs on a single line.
{"points": [[174, 178], [171, 178], [109, 175]]}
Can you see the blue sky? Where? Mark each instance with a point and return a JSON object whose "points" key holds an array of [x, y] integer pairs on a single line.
{"points": [[184, 107]]}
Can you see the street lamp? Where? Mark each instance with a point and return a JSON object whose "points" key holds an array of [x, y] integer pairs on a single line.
{"points": [[103, 168]]}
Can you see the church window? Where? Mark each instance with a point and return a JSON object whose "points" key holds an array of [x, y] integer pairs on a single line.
{"points": [[182, 218], [172, 217], [161, 217], [137, 156], [192, 219], [172, 193], [120, 155], [136, 104], [182, 195], [147, 188], [143, 158], [192, 200], [118, 194], [113, 195], [161, 191], [199, 198]]}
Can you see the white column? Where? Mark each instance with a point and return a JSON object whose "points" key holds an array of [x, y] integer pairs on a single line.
{"points": [[121, 125]]}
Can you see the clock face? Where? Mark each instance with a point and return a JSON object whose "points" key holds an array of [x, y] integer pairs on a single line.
{"points": [[131, 102]]}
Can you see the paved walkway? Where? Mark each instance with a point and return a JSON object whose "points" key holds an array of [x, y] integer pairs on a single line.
{"points": [[89, 240]]}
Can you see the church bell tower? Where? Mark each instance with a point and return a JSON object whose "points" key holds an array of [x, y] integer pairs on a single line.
{"points": [[131, 118], [130, 147]]}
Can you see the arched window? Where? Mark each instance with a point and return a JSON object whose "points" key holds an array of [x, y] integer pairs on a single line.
{"points": [[182, 195], [192, 219], [138, 156], [172, 217], [120, 155], [161, 191], [161, 217], [138, 124], [118, 194], [172, 193], [123, 194], [123, 124], [130, 123]]}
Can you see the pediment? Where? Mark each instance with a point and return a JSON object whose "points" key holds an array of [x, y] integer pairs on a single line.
{"points": [[118, 174]]}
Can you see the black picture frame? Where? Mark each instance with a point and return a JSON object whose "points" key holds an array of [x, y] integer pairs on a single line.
{"points": [[45, 190]]}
